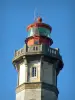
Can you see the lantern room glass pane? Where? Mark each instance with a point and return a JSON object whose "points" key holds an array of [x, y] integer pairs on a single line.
{"points": [[39, 31]]}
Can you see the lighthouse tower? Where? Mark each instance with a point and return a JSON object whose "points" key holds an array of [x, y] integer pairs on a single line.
{"points": [[37, 64]]}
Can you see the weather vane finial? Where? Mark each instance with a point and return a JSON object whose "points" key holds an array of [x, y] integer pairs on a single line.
{"points": [[37, 18]]}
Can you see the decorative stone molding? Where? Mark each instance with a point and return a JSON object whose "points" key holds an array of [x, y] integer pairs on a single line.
{"points": [[28, 86], [20, 88], [37, 85]]}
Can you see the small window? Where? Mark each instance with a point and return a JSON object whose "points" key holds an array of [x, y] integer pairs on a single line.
{"points": [[33, 71], [36, 42]]}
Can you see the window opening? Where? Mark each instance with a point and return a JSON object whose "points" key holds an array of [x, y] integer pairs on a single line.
{"points": [[33, 71], [36, 42]]}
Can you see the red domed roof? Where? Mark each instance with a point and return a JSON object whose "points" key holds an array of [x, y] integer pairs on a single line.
{"points": [[39, 23]]}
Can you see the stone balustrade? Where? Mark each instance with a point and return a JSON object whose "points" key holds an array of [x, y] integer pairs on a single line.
{"points": [[43, 49]]}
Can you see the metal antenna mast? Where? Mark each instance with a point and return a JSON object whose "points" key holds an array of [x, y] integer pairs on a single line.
{"points": [[35, 14], [36, 31]]}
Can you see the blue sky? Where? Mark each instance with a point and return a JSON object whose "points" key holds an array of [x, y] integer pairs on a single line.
{"points": [[15, 15]]}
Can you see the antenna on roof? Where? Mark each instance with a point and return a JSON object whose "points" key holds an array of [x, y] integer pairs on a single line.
{"points": [[36, 31], [35, 17]]}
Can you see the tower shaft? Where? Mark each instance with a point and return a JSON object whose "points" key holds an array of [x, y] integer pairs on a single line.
{"points": [[37, 65]]}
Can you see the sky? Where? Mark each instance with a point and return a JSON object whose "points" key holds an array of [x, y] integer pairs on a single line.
{"points": [[15, 16]]}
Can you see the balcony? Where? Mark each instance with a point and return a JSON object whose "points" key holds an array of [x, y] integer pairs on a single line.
{"points": [[19, 53], [36, 49]]}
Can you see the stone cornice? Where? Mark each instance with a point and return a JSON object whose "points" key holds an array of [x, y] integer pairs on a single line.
{"points": [[37, 85]]}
